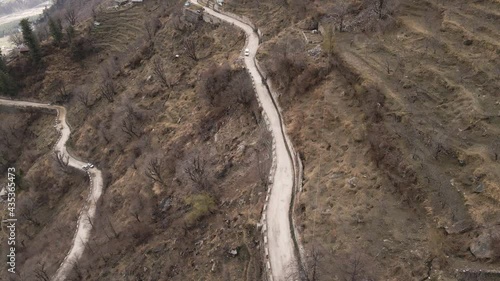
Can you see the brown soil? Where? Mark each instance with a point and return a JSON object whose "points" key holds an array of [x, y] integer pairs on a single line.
{"points": [[398, 139]]}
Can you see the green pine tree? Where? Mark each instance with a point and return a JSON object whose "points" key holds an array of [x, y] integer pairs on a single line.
{"points": [[8, 86], [70, 32], [55, 30], [31, 41], [3, 65]]}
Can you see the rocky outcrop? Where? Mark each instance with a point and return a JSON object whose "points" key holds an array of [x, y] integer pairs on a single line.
{"points": [[487, 244]]}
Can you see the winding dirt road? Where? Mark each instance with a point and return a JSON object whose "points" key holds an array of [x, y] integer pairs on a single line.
{"points": [[282, 255], [84, 227]]}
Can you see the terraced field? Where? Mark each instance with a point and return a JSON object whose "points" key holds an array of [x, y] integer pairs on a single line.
{"points": [[119, 28]]}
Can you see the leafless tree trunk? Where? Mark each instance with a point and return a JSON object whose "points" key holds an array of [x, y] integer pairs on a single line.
{"points": [[28, 206], [311, 272], [161, 73], [41, 272], [154, 170], [129, 126], [89, 219], [354, 272], [16, 39], [84, 98], [71, 16], [59, 86], [136, 206], [196, 171], [107, 90], [190, 47]]}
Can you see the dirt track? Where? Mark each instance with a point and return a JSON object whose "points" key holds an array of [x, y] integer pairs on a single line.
{"points": [[84, 227], [283, 260]]}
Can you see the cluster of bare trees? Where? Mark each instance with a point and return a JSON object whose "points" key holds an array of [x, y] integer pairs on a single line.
{"points": [[223, 86], [341, 9], [317, 267]]}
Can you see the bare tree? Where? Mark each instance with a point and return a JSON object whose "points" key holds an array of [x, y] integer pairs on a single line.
{"points": [[196, 171], [129, 126], [355, 267], [71, 16], [160, 72], [108, 90], [16, 39], [84, 98], [28, 209], [154, 171], [41, 272], [190, 47], [89, 219], [136, 206], [59, 86]]}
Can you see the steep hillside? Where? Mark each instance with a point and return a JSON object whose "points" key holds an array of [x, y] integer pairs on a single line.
{"points": [[396, 119], [163, 107], [48, 195]]}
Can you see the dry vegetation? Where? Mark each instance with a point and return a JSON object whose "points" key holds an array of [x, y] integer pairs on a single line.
{"points": [[395, 115], [180, 140], [49, 195]]}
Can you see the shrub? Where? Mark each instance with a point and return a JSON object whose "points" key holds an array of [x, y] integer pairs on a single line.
{"points": [[201, 206], [80, 48]]}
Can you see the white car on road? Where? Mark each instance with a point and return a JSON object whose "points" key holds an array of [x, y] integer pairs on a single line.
{"points": [[88, 166]]}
